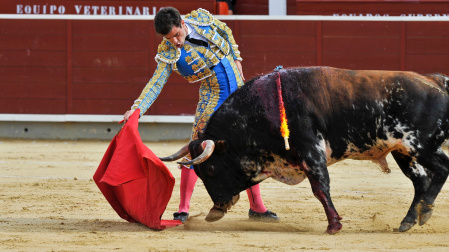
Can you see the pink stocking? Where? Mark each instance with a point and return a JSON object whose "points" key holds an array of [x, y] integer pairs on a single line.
{"points": [[255, 200], [188, 180]]}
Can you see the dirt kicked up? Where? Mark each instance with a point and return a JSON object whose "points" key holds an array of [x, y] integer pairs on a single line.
{"points": [[49, 202]]}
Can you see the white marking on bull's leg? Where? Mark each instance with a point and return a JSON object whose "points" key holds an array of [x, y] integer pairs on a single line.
{"points": [[322, 148], [418, 170], [325, 147]]}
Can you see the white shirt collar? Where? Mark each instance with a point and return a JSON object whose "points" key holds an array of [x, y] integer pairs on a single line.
{"points": [[192, 33], [189, 28]]}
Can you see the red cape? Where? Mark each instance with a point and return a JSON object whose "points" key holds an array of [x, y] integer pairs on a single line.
{"points": [[135, 182]]}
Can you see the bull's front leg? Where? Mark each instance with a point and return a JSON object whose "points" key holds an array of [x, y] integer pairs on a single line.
{"points": [[318, 176]]}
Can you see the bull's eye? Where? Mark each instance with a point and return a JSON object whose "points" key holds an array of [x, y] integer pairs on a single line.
{"points": [[211, 170]]}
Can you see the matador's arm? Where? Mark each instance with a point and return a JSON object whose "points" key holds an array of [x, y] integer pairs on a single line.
{"points": [[153, 87]]}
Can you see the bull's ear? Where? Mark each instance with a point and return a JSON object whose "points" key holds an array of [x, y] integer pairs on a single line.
{"points": [[220, 146]]}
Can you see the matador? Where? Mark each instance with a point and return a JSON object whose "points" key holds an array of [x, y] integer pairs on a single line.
{"points": [[202, 49]]}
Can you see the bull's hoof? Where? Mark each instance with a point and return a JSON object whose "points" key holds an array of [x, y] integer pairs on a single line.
{"points": [[334, 228], [423, 218], [424, 212], [215, 214], [405, 226]]}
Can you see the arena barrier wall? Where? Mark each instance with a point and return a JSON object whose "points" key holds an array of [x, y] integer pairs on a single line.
{"points": [[95, 66]]}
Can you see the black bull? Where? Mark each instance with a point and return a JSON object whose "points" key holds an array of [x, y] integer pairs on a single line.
{"points": [[332, 114]]}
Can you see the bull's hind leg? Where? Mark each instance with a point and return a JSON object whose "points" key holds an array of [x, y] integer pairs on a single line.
{"points": [[421, 182], [438, 164], [316, 170]]}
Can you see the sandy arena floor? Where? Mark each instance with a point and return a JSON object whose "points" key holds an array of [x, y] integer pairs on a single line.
{"points": [[49, 202]]}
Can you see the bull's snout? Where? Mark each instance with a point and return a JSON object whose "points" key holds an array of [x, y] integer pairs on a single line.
{"points": [[218, 211]]}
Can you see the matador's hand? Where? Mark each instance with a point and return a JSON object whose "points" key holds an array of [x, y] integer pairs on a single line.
{"points": [[127, 115], [239, 66]]}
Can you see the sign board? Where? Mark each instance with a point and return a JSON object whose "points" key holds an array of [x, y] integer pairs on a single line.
{"points": [[77, 7], [408, 8]]}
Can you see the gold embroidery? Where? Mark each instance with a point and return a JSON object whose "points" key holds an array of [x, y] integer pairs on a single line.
{"points": [[210, 92], [189, 59], [211, 56], [197, 67], [216, 39], [218, 53], [200, 70], [236, 71], [199, 17], [226, 33], [167, 53], [153, 88]]}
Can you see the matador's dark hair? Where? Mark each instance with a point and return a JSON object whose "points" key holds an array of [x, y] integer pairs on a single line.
{"points": [[165, 19]]}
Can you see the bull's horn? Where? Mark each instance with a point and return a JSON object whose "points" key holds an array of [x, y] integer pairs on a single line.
{"points": [[208, 147], [181, 153]]}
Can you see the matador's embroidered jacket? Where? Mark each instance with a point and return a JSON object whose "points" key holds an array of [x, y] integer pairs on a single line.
{"points": [[194, 63]]}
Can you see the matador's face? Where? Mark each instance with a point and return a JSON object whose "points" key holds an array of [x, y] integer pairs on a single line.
{"points": [[177, 35]]}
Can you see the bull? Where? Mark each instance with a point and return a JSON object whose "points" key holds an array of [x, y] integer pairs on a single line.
{"points": [[332, 114]]}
